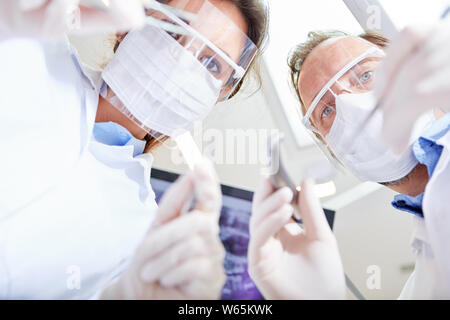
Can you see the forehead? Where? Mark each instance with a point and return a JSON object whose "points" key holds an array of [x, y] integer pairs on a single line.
{"points": [[325, 61], [221, 21]]}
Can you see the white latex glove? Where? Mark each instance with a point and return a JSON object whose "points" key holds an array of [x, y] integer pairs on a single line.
{"points": [[182, 256], [286, 262], [414, 78], [54, 18]]}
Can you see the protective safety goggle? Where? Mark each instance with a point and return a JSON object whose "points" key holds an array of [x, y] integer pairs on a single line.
{"points": [[356, 76], [212, 37]]}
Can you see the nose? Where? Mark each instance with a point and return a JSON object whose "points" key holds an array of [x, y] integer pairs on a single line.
{"points": [[339, 88]]}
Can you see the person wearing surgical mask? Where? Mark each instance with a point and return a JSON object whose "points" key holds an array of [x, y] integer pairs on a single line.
{"points": [[376, 109], [78, 217]]}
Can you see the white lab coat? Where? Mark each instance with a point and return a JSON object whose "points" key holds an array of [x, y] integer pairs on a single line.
{"points": [[72, 210], [431, 239]]}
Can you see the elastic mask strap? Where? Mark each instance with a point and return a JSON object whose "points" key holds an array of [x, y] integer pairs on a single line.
{"points": [[332, 92]]}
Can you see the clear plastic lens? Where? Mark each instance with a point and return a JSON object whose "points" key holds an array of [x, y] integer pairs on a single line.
{"points": [[359, 79], [213, 38], [357, 75], [166, 86]]}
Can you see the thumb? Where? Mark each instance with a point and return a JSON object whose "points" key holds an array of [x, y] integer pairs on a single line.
{"points": [[208, 195], [313, 217], [174, 200]]}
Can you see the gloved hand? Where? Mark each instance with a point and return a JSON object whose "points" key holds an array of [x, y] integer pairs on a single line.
{"points": [[286, 262], [119, 16], [182, 256], [54, 18], [414, 78]]}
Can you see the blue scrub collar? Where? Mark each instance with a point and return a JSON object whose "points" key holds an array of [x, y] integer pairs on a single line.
{"points": [[113, 134]]}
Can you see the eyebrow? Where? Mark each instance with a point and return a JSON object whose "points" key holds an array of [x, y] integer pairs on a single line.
{"points": [[367, 59], [187, 22]]}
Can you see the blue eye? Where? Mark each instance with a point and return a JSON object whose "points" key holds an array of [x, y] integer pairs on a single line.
{"points": [[366, 76], [212, 65], [326, 112]]}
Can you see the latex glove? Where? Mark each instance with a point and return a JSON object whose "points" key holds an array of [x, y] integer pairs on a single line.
{"points": [[286, 262], [414, 78], [54, 18], [121, 16], [182, 256]]}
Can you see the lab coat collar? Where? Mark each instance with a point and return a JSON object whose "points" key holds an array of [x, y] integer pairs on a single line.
{"points": [[123, 157], [93, 76], [113, 134]]}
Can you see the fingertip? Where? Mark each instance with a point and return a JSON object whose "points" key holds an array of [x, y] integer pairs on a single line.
{"points": [[264, 174], [288, 209], [146, 274], [173, 200], [263, 190], [286, 194], [165, 282], [264, 180], [285, 214], [306, 192], [204, 169], [307, 185]]}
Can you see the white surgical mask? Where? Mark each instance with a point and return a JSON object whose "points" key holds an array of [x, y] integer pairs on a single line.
{"points": [[159, 84], [366, 156]]}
